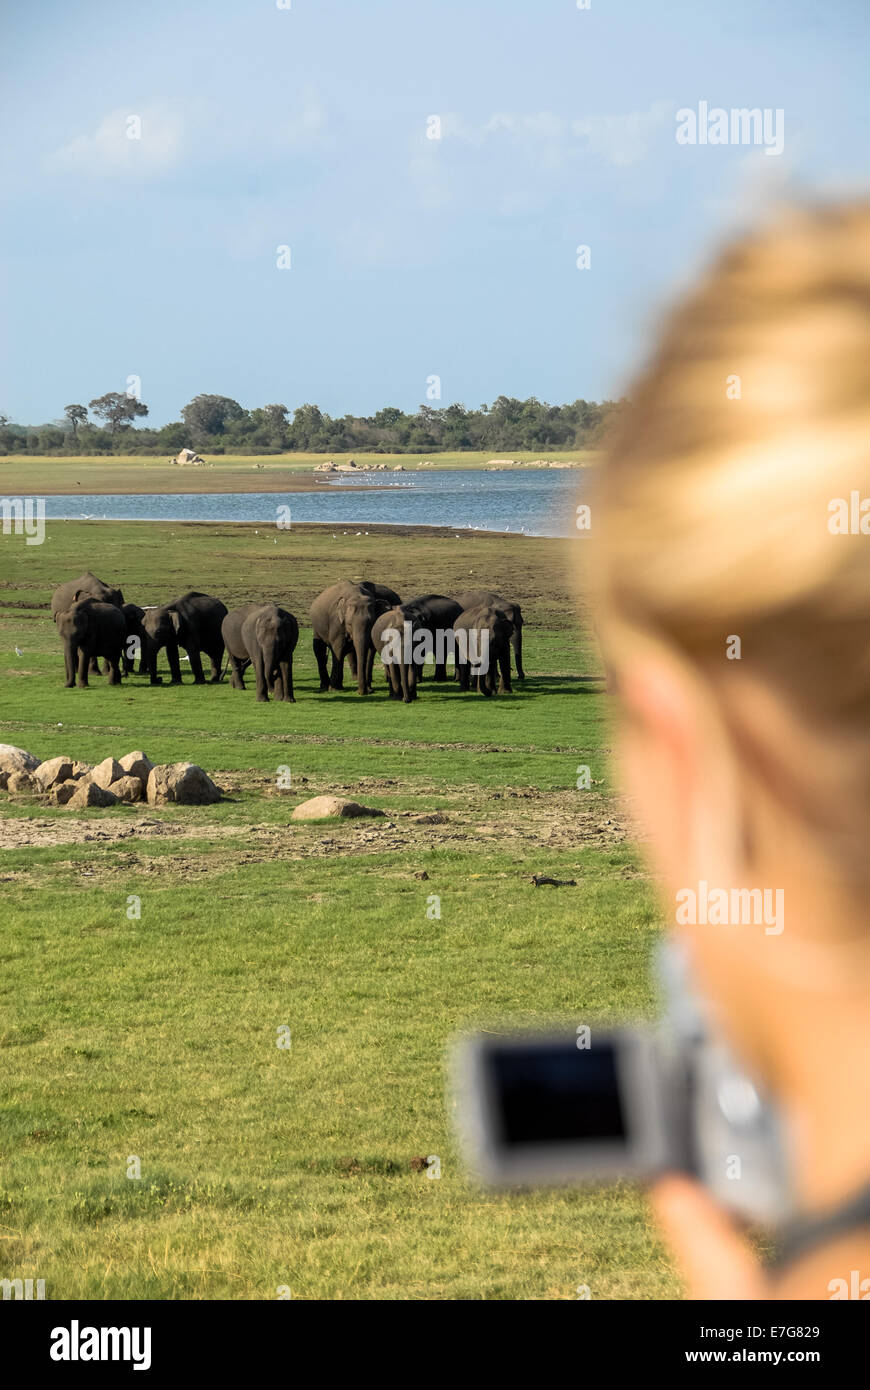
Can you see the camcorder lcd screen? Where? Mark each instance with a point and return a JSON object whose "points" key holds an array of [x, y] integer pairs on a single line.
{"points": [[557, 1092]]}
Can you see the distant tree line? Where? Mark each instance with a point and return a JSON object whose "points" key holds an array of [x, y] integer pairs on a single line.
{"points": [[218, 425]]}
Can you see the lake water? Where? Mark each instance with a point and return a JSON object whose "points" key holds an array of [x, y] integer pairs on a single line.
{"points": [[536, 502]]}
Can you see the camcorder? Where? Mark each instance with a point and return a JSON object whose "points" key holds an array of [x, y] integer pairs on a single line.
{"points": [[595, 1105]]}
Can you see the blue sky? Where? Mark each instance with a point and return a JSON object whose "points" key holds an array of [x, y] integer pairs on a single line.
{"points": [[307, 127]]}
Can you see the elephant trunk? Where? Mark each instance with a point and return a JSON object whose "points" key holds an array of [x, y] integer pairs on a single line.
{"points": [[518, 650], [172, 657], [362, 641], [265, 672]]}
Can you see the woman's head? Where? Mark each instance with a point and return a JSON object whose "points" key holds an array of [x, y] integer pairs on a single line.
{"points": [[735, 612]]}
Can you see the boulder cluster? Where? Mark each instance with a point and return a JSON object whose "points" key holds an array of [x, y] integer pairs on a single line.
{"points": [[67, 782], [351, 467]]}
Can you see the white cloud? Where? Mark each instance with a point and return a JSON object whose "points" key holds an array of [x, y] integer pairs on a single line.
{"points": [[548, 142], [127, 143], [622, 139], [545, 135], [308, 128]]}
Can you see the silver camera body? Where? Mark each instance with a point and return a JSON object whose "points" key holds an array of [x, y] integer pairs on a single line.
{"points": [[599, 1105]]}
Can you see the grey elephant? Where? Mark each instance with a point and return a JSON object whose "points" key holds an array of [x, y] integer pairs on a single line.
{"points": [[474, 597], [433, 614], [483, 637], [133, 617], [86, 586], [342, 618], [90, 629], [192, 622], [264, 636]]}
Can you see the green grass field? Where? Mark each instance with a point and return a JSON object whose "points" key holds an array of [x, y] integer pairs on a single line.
{"points": [[156, 1037]]}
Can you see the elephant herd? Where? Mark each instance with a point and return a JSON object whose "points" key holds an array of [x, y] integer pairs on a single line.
{"points": [[351, 620]]}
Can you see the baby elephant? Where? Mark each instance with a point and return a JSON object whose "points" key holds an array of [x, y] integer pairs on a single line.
{"points": [[483, 651], [264, 636], [90, 629]]}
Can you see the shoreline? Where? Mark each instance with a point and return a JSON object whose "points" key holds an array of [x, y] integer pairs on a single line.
{"points": [[228, 486], [313, 527]]}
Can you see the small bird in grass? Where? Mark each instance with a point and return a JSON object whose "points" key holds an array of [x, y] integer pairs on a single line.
{"points": [[18, 651]]}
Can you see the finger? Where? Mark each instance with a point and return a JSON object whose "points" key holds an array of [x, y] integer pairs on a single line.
{"points": [[714, 1260]]}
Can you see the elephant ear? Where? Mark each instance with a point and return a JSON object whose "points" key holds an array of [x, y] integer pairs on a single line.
{"points": [[175, 618], [79, 593]]}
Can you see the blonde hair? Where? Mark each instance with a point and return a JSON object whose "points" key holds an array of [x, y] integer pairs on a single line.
{"points": [[713, 506]]}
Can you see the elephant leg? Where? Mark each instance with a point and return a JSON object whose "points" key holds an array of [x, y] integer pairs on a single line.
{"points": [[336, 675], [320, 650], [370, 670], [237, 678], [113, 664], [504, 666], [351, 661], [463, 675], [286, 669], [174, 664], [395, 679], [196, 665], [216, 661], [84, 663], [70, 661], [261, 675]]}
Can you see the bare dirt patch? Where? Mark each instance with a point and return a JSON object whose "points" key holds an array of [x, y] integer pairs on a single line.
{"points": [[524, 819]]}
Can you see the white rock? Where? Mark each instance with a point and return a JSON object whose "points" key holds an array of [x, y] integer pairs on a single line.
{"points": [[107, 772], [184, 783], [51, 772], [137, 765], [319, 807], [14, 759]]}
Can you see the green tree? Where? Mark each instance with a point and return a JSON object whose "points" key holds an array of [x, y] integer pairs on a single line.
{"points": [[205, 416], [117, 409], [77, 415], [172, 436]]}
